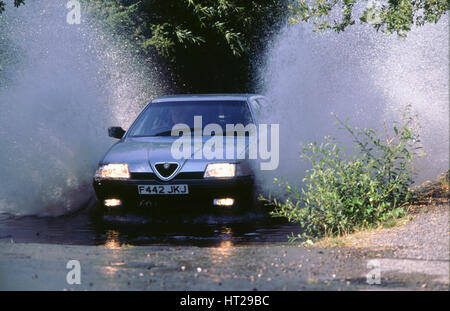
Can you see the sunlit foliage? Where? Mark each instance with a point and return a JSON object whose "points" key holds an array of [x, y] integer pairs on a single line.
{"points": [[390, 16]]}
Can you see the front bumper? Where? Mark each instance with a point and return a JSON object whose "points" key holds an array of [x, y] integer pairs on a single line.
{"points": [[200, 190]]}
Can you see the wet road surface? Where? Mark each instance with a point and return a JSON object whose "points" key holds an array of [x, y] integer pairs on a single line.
{"points": [[202, 252], [194, 230]]}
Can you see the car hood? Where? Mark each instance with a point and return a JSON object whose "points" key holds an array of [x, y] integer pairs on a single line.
{"points": [[142, 153]]}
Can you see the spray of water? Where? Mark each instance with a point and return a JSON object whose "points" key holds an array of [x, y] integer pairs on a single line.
{"points": [[366, 76], [61, 86]]}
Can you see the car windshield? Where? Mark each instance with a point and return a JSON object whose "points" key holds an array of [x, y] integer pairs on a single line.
{"points": [[159, 118]]}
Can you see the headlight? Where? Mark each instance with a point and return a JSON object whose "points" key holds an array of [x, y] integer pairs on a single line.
{"points": [[113, 171], [220, 170]]}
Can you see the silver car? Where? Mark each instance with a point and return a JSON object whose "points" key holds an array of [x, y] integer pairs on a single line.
{"points": [[182, 149]]}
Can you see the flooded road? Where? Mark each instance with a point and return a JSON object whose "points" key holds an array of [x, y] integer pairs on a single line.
{"points": [[205, 252], [193, 230]]}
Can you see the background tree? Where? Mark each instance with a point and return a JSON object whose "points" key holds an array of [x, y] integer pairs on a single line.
{"points": [[197, 45], [217, 45], [16, 4], [390, 16], [204, 45]]}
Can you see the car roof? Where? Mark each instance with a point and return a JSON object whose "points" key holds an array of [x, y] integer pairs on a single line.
{"points": [[203, 97]]}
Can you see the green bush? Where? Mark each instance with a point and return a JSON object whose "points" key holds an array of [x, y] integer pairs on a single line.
{"points": [[342, 193]]}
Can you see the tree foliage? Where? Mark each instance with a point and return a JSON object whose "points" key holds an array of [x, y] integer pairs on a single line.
{"points": [[168, 25], [203, 45], [16, 4], [210, 43], [390, 16]]}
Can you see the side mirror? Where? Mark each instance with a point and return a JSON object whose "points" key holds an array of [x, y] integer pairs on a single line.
{"points": [[116, 132]]}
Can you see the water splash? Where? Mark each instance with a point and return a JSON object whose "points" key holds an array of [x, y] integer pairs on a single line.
{"points": [[61, 86], [366, 76]]}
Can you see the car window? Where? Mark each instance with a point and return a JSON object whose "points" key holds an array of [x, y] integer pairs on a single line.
{"points": [[159, 118]]}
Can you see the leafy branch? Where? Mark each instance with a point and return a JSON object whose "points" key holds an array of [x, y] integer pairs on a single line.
{"points": [[389, 16]]}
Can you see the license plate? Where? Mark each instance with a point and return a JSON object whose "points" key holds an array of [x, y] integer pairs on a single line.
{"points": [[163, 189]]}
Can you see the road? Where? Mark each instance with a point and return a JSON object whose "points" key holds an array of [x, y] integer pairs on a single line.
{"points": [[412, 257]]}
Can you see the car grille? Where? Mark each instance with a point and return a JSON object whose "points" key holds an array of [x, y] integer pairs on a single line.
{"points": [[152, 176], [166, 171]]}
